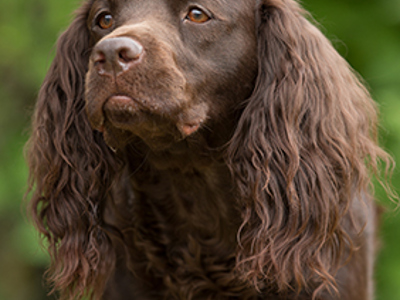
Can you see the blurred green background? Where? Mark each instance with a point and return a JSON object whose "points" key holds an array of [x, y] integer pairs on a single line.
{"points": [[365, 32]]}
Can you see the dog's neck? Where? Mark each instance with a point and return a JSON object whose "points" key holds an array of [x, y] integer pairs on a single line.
{"points": [[189, 190]]}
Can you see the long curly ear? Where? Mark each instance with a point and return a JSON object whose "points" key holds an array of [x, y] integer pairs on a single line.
{"points": [[70, 172], [303, 150]]}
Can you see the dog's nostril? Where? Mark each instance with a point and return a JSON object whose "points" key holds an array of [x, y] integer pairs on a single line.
{"points": [[99, 58], [129, 54], [124, 56]]}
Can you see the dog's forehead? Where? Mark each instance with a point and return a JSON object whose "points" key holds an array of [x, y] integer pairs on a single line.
{"points": [[227, 6]]}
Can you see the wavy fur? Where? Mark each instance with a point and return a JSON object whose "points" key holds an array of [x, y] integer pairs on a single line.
{"points": [[310, 143], [71, 171]]}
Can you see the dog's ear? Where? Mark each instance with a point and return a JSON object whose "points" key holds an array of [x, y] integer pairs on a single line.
{"points": [[302, 152], [70, 172]]}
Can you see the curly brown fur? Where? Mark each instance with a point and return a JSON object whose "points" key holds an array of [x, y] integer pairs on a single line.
{"points": [[230, 159]]}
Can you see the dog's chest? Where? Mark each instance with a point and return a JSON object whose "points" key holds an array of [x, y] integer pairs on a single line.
{"points": [[187, 238]]}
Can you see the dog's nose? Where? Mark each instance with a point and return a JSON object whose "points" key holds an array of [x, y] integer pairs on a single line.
{"points": [[116, 55]]}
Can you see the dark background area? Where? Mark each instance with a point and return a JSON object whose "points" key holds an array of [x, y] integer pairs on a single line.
{"points": [[365, 32]]}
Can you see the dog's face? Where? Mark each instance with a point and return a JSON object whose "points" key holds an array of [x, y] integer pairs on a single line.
{"points": [[165, 70]]}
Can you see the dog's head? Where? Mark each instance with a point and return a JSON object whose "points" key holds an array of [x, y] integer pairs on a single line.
{"points": [[163, 70]]}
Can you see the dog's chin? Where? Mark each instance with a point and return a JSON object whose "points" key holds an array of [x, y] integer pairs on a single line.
{"points": [[127, 122], [118, 139]]}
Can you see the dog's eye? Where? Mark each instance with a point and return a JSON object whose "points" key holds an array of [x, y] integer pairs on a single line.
{"points": [[196, 15], [105, 20]]}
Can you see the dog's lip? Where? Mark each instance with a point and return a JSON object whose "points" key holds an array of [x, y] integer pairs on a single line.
{"points": [[121, 101], [118, 103], [189, 128]]}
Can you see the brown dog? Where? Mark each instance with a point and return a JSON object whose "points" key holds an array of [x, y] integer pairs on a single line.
{"points": [[205, 149]]}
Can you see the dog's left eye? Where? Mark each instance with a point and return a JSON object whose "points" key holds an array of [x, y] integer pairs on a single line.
{"points": [[196, 15]]}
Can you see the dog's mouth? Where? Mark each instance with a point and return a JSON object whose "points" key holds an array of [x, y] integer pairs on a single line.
{"points": [[121, 111], [122, 117]]}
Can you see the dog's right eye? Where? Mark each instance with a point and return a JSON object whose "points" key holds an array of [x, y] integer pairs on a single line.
{"points": [[105, 20]]}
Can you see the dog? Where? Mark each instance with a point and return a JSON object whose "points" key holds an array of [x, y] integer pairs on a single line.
{"points": [[204, 150]]}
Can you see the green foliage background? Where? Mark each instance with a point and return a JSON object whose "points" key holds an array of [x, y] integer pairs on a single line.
{"points": [[365, 32]]}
